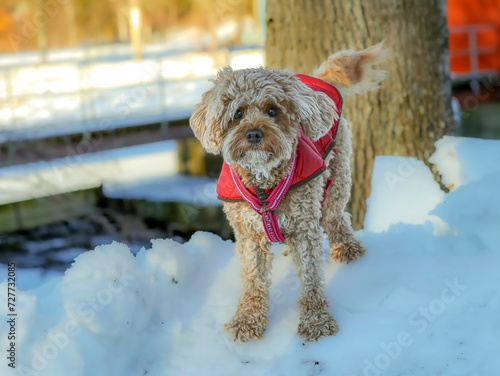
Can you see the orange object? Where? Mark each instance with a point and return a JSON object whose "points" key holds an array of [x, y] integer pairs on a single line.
{"points": [[474, 37]]}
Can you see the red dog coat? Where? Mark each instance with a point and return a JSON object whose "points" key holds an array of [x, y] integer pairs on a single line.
{"points": [[308, 164]]}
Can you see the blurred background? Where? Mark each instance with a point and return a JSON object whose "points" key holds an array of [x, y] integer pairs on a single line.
{"points": [[95, 97]]}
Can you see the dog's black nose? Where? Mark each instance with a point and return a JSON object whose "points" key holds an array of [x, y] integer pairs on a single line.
{"points": [[254, 136]]}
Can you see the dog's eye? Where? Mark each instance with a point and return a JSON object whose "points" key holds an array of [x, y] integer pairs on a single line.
{"points": [[272, 111], [238, 114]]}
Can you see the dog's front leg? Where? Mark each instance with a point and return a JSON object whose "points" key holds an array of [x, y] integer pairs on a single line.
{"points": [[250, 319], [315, 318]]}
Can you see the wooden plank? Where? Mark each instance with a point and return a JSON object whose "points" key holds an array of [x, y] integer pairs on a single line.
{"points": [[175, 216], [30, 214], [19, 152]]}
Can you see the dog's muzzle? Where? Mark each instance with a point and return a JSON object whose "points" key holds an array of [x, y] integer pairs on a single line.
{"points": [[254, 136]]}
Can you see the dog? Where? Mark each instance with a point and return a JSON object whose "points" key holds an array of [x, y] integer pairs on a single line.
{"points": [[264, 122]]}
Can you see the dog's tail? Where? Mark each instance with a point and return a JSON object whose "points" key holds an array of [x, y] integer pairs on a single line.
{"points": [[352, 72]]}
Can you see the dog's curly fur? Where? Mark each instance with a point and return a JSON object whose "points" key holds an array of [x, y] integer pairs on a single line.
{"points": [[264, 164]]}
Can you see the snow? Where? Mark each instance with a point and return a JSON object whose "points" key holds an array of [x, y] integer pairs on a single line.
{"points": [[30, 279], [85, 171], [141, 172], [173, 188], [403, 190], [462, 160], [421, 302]]}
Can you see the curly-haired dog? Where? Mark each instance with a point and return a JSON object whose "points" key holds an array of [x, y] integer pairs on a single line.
{"points": [[276, 133]]}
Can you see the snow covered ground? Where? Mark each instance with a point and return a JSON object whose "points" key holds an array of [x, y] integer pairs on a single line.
{"points": [[77, 172], [425, 300], [148, 171], [171, 188]]}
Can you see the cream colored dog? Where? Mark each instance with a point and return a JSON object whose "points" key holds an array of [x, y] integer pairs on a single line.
{"points": [[260, 120]]}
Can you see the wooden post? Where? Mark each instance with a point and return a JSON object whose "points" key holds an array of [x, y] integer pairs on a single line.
{"points": [[135, 23]]}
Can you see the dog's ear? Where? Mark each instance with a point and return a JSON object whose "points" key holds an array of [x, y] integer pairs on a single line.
{"points": [[207, 116], [204, 128], [315, 110]]}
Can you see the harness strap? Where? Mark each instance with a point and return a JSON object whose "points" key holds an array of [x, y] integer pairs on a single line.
{"points": [[266, 208]]}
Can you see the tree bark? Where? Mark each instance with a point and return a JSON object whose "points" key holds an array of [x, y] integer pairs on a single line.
{"points": [[413, 107]]}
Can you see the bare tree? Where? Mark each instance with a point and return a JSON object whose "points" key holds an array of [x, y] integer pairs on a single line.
{"points": [[413, 108]]}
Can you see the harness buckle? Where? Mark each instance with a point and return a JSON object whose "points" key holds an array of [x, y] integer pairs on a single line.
{"points": [[264, 208]]}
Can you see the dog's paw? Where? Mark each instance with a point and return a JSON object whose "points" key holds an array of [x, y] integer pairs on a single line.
{"points": [[317, 325], [245, 327], [315, 318], [348, 251]]}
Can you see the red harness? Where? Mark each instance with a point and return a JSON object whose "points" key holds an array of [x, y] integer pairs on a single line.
{"points": [[308, 163]]}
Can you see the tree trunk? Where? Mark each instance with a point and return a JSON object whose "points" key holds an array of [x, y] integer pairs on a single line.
{"points": [[413, 107]]}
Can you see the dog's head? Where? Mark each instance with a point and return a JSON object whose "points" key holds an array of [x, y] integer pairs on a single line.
{"points": [[252, 116]]}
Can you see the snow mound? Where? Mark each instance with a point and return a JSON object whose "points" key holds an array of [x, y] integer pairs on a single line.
{"points": [[421, 302], [403, 190], [461, 160]]}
